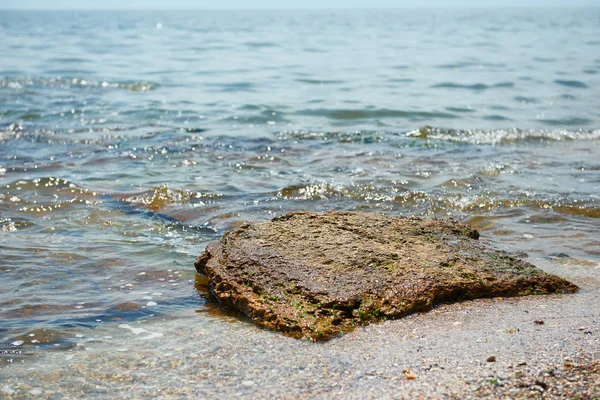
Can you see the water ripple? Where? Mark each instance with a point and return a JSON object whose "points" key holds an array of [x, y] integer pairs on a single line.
{"points": [[573, 84], [497, 136], [75, 83], [474, 86], [348, 114]]}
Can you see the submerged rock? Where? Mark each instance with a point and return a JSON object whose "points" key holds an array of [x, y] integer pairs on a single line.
{"points": [[320, 274]]}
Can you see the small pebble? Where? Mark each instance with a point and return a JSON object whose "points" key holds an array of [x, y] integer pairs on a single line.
{"points": [[409, 374], [541, 384], [6, 389]]}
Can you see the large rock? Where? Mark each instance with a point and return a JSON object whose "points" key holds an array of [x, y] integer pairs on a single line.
{"points": [[317, 275]]}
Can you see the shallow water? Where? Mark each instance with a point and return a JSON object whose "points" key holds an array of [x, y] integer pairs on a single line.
{"points": [[130, 140]]}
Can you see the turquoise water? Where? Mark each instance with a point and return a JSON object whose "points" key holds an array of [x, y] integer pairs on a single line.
{"points": [[128, 140]]}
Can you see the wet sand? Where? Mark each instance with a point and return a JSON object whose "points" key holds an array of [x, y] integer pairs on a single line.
{"points": [[447, 352]]}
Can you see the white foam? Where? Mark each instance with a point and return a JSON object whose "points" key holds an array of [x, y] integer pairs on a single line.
{"points": [[137, 331]]}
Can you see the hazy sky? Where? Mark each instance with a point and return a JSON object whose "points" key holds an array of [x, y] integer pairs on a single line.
{"points": [[281, 4]]}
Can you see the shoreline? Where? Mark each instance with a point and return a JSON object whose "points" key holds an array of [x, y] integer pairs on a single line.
{"points": [[446, 350]]}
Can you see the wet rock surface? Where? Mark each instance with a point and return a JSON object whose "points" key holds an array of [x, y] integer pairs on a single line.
{"points": [[318, 275]]}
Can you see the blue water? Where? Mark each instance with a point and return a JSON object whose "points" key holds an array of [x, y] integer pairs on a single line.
{"points": [[128, 140]]}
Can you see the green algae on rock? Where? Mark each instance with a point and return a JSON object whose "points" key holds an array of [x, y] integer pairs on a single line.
{"points": [[317, 275]]}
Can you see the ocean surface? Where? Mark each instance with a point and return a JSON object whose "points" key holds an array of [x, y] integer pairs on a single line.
{"points": [[128, 140]]}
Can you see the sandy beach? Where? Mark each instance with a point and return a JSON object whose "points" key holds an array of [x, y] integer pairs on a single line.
{"points": [[543, 347]]}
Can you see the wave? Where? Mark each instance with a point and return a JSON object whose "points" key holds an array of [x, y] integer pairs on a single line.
{"points": [[342, 137], [351, 114], [162, 196], [261, 44], [572, 84], [496, 117], [475, 86], [470, 64], [435, 201], [470, 136], [482, 203], [76, 83], [572, 121], [460, 109], [320, 81], [233, 86], [499, 136], [319, 190]]}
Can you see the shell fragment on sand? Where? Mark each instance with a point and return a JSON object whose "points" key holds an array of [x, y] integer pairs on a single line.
{"points": [[318, 275]]}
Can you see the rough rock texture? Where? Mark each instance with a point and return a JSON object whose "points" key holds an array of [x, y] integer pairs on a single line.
{"points": [[320, 274]]}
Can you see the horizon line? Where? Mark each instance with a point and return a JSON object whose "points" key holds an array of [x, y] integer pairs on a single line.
{"points": [[466, 7]]}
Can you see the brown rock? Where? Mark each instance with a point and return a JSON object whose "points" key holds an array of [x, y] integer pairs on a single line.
{"points": [[320, 274]]}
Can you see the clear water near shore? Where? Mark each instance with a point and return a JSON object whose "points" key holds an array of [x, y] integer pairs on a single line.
{"points": [[130, 140]]}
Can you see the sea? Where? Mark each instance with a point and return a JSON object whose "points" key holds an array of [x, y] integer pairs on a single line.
{"points": [[131, 139]]}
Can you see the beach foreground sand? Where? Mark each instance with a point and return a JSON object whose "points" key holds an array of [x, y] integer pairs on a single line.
{"points": [[529, 347]]}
